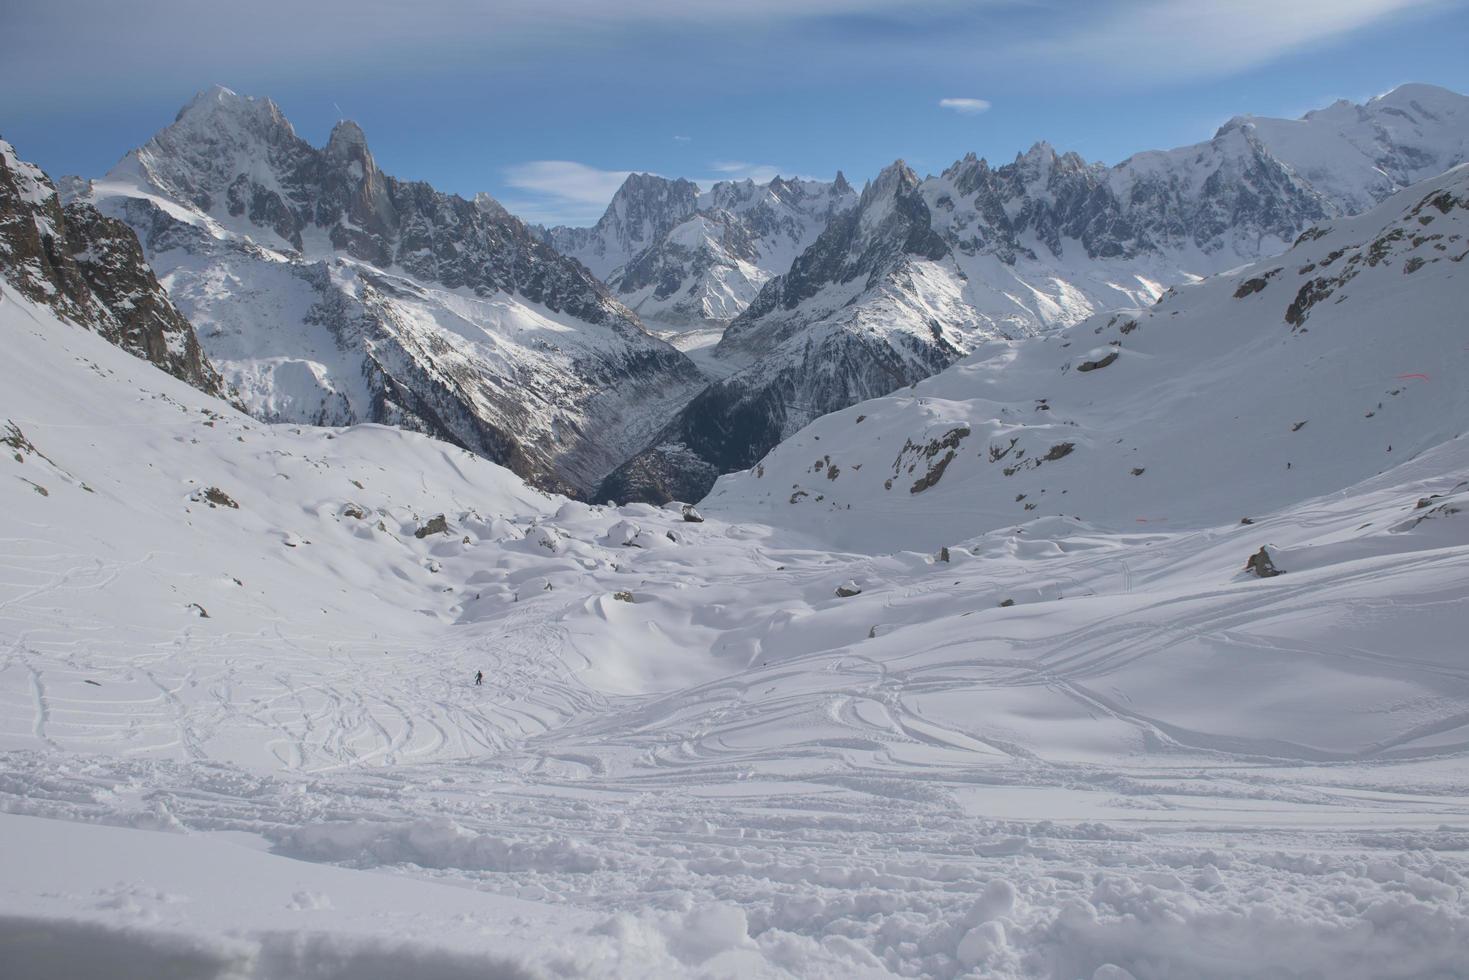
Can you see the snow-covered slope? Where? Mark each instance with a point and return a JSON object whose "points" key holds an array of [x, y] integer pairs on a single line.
{"points": [[229, 660], [687, 259], [328, 292], [1357, 155], [1293, 377], [930, 269]]}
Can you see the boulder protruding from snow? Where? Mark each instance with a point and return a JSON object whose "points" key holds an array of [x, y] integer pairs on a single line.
{"points": [[218, 498], [848, 589], [623, 534], [436, 525], [691, 515]]}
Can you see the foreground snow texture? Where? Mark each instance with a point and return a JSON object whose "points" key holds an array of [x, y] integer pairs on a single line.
{"points": [[240, 736]]}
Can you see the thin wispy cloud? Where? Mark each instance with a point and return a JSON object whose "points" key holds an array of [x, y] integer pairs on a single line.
{"points": [[561, 191], [683, 139], [342, 33], [966, 107], [1185, 39]]}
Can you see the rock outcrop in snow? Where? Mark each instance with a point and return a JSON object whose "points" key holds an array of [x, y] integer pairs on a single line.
{"points": [[686, 259], [90, 269]]}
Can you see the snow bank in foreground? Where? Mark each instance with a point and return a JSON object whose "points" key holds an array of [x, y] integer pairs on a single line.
{"points": [[127, 903]]}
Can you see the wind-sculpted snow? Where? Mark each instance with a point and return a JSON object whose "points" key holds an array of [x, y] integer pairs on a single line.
{"points": [[1296, 376], [330, 293], [241, 737]]}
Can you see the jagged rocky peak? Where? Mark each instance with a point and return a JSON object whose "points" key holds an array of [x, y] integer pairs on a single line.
{"points": [[894, 179], [198, 154], [354, 189], [490, 206], [840, 187], [239, 161], [354, 290], [217, 104], [347, 141], [685, 258], [90, 270], [1039, 157], [647, 205]]}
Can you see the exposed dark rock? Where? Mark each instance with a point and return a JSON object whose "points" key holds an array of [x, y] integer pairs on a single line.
{"points": [[90, 270], [435, 525], [934, 474], [218, 498], [1099, 363]]}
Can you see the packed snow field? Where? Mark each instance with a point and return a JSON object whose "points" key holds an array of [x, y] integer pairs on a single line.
{"points": [[237, 680]]}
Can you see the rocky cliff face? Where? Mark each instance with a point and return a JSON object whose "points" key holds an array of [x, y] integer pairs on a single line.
{"points": [[923, 271], [90, 269], [686, 259], [797, 370], [330, 292]]}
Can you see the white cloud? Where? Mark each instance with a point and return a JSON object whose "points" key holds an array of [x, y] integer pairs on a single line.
{"points": [[968, 107], [561, 191], [683, 139], [1152, 39]]}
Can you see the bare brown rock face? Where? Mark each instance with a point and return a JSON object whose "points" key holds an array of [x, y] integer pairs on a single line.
{"points": [[90, 269]]}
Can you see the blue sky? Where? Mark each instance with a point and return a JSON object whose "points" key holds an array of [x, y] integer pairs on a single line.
{"points": [[547, 103]]}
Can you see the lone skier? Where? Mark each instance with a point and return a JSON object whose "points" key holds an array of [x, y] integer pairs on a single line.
{"points": [[479, 678]]}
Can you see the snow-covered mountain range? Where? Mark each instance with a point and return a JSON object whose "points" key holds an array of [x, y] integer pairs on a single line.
{"points": [[325, 291], [925, 271], [686, 259], [1292, 377], [328, 292]]}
